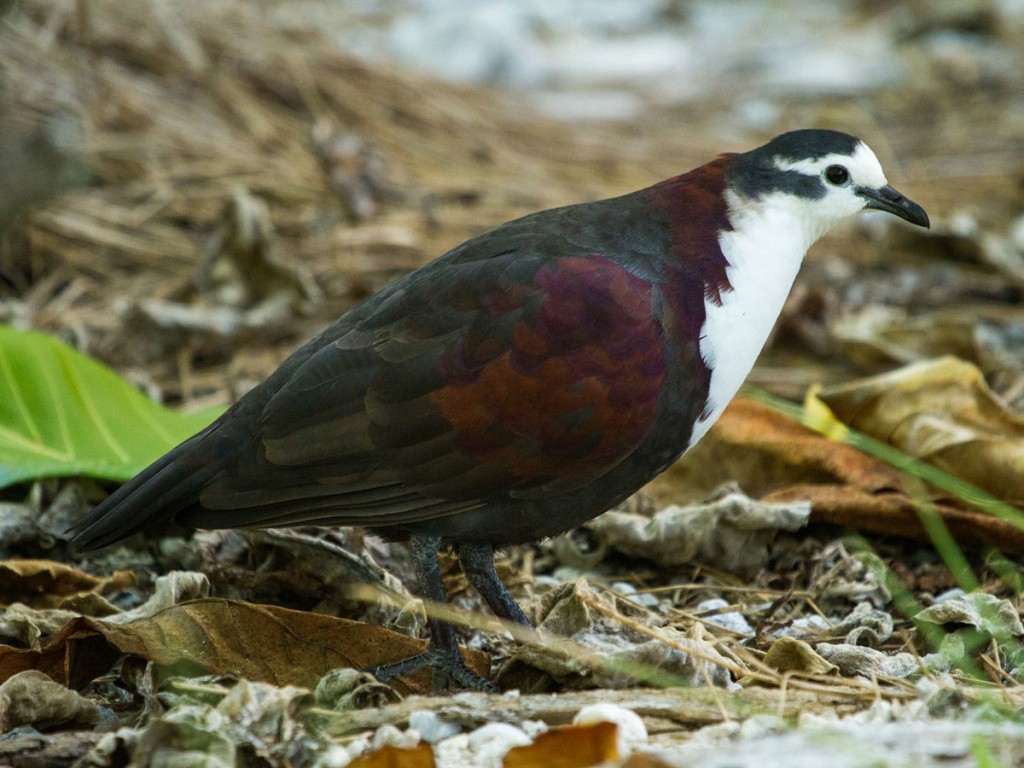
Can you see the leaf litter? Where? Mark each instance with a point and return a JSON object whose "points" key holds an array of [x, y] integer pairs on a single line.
{"points": [[222, 178]]}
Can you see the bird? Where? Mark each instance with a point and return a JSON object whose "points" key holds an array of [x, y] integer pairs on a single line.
{"points": [[523, 383]]}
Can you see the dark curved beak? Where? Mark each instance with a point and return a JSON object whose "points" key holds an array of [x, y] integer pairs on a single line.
{"points": [[889, 200]]}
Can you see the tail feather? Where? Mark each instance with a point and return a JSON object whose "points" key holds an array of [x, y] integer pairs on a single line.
{"points": [[167, 486]]}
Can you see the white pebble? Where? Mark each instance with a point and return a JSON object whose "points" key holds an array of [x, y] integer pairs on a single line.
{"points": [[358, 747], [389, 735], [335, 756], [455, 752], [534, 728], [732, 620], [501, 731], [631, 729], [432, 729], [490, 743]]}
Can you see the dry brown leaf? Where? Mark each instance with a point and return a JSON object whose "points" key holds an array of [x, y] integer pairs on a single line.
{"points": [[575, 746], [943, 412], [46, 584], [764, 451], [420, 756], [776, 458], [894, 513], [255, 642], [76, 655]]}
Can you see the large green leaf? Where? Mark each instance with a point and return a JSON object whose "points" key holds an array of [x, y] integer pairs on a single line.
{"points": [[62, 414]]}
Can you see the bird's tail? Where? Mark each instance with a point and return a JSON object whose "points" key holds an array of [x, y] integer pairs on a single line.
{"points": [[164, 488]]}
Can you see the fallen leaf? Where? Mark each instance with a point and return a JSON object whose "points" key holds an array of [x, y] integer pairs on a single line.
{"points": [[764, 451], [574, 746], [25, 627], [894, 513], [170, 589], [979, 610], [32, 698], [788, 654], [420, 756], [776, 458], [876, 337], [217, 636], [75, 656], [943, 412], [587, 647], [732, 531], [47, 584], [858, 661]]}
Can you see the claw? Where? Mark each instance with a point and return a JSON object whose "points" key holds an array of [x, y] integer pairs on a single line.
{"points": [[450, 671]]}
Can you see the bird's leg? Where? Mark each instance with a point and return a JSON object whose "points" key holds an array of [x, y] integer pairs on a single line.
{"points": [[442, 654], [477, 561]]}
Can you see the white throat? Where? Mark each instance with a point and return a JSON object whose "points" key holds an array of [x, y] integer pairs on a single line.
{"points": [[764, 251]]}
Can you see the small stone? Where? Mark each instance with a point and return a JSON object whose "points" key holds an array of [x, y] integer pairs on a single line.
{"points": [[490, 743], [731, 620], [389, 735], [432, 729], [335, 756]]}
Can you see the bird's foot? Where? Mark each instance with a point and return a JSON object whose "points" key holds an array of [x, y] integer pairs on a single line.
{"points": [[450, 671]]}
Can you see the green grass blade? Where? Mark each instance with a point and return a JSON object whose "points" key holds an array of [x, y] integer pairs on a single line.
{"points": [[815, 415]]}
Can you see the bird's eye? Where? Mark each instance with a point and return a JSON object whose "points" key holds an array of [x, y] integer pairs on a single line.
{"points": [[837, 175]]}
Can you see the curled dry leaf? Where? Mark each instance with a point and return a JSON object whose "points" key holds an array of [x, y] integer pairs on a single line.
{"points": [[263, 723], [943, 412], [24, 627], [32, 698], [978, 610], [342, 689], [172, 589], [858, 661], [47, 584], [789, 654], [731, 532]]}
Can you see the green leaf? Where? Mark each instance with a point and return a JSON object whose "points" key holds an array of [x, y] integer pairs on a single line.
{"points": [[62, 413]]}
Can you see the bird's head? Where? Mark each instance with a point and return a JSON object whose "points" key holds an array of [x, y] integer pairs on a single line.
{"points": [[819, 176]]}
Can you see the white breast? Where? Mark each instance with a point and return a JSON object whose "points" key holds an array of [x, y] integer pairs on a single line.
{"points": [[764, 250]]}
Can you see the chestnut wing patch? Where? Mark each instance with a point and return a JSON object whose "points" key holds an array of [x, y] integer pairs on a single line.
{"points": [[573, 393]]}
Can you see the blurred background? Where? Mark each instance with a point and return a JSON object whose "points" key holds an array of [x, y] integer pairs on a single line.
{"points": [[189, 190]]}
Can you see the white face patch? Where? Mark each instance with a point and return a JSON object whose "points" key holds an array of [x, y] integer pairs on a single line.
{"points": [[864, 168]]}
